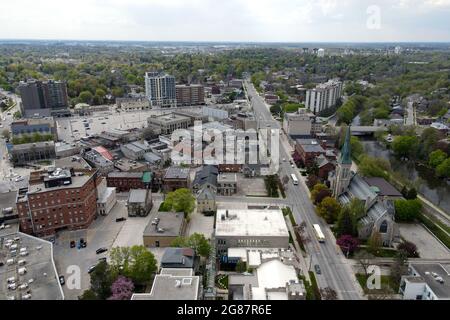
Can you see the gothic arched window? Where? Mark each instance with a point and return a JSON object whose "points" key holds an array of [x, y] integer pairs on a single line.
{"points": [[384, 227]]}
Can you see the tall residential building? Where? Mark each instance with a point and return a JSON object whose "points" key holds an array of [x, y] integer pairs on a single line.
{"points": [[43, 98], [324, 96], [190, 95], [160, 89]]}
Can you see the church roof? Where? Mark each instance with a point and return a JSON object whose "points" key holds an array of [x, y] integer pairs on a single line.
{"points": [[346, 152]]}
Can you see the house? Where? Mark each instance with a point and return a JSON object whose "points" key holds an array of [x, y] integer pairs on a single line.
{"points": [[174, 284], [206, 201], [428, 281], [179, 258], [164, 229], [227, 184], [206, 178], [139, 203], [379, 215], [106, 198], [325, 167], [176, 178]]}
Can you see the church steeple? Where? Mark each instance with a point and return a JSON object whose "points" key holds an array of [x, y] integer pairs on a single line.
{"points": [[346, 152]]}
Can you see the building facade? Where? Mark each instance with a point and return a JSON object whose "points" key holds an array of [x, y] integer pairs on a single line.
{"points": [[125, 181], [140, 203], [30, 152], [190, 95], [160, 90], [58, 200], [324, 96], [298, 123], [167, 124]]}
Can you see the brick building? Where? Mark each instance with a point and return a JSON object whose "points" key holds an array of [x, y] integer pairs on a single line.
{"points": [[57, 200], [309, 150], [190, 95], [176, 178], [125, 181]]}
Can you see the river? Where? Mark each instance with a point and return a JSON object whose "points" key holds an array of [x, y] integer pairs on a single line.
{"points": [[434, 189]]}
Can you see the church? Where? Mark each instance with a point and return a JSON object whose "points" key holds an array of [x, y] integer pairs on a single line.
{"points": [[377, 195]]}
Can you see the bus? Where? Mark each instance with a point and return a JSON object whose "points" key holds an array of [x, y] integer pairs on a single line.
{"points": [[319, 234], [294, 179]]}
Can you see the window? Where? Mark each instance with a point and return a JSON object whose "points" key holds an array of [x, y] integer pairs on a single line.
{"points": [[384, 227]]}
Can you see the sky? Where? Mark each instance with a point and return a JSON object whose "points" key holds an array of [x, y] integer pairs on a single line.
{"points": [[228, 20]]}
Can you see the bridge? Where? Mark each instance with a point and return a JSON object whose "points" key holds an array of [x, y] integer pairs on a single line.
{"points": [[367, 130]]}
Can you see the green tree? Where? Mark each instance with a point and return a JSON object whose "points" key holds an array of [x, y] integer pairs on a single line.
{"points": [[374, 167], [329, 209], [241, 266], [437, 158], [346, 224], [317, 189], [6, 134], [85, 97], [101, 280], [399, 268], [357, 208], [136, 263], [88, 295], [17, 115], [181, 200], [443, 170], [405, 146], [407, 210], [197, 242]]}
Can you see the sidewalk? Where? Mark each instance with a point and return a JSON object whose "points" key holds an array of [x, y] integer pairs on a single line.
{"points": [[299, 253]]}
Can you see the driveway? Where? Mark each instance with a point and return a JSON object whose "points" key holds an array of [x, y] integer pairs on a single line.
{"points": [[428, 246]]}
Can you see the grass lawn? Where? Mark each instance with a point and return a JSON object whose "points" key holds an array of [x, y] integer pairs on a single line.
{"points": [[431, 225], [386, 283]]}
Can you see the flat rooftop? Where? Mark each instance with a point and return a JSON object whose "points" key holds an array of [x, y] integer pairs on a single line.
{"points": [[170, 225], [173, 285], [251, 223], [128, 175], [177, 173], [77, 182], [39, 266]]}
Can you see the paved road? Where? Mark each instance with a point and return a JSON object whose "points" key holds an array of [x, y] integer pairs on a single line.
{"points": [[411, 117], [336, 271]]}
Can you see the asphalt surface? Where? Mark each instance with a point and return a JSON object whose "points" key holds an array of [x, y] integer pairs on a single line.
{"points": [[336, 271]]}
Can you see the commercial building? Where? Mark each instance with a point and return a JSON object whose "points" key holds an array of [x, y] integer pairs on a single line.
{"points": [[176, 178], [164, 229], [160, 90], [309, 150], [58, 199], [429, 281], [250, 229], [30, 152], [136, 150], [174, 284], [324, 96], [139, 203], [125, 181], [106, 198], [166, 124], [43, 99], [99, 159], [298, 123], [37, 264], [190, 95], [132, 104], [43, 126], [227, 184]]}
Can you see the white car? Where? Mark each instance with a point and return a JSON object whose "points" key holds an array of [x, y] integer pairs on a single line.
{"points": [[12, 286], [18, 179]]}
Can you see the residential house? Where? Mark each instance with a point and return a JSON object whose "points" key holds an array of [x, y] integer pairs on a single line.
{"points": [[140, 203]]}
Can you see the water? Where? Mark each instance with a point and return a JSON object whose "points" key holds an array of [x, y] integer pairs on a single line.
{"points": [[434, 189]]}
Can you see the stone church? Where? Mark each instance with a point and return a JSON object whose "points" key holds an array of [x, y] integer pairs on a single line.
{"points": [[378, 197]]}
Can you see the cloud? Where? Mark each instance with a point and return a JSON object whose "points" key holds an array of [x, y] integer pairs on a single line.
{"points": [[231, 20]]}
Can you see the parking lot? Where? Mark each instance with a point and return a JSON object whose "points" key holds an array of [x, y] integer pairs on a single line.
{"points": [[251, 186], [200, 224], [428, 246], [101, 234]]}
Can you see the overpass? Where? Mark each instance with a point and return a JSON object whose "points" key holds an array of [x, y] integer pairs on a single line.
{"points": [[367, 130]]}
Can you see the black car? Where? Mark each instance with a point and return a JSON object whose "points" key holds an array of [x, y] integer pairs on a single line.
{"points": [[72, 244], [101, 250], [121, 219], [83, 244], [62, 280]]}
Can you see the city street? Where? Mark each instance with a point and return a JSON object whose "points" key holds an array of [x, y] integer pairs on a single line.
{"points": [[336, 271]]}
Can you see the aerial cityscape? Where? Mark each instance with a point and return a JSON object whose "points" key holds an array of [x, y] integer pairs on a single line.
{"points": [[232, 168]]}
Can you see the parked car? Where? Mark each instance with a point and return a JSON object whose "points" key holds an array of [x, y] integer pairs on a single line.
{"points": [[91, 269], [121, 219], [101, 250], [72, 244], [103, 260], [62, 280]]}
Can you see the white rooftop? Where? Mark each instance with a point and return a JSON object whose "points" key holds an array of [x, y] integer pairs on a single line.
{"points": [[268, 223]]}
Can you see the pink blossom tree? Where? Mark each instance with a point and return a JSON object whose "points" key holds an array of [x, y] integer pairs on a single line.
{"points": [[122, 289]]}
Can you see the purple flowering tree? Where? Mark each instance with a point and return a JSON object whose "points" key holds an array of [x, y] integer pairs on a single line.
{"points": [[122, 289]]}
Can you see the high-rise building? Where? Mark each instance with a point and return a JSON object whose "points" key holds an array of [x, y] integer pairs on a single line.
{"points": [[190, 95], [43, 98], [324, 96], [160, 89]]}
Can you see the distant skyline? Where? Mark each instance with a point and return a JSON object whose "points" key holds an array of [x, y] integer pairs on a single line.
{"points": [[228, 21]]}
